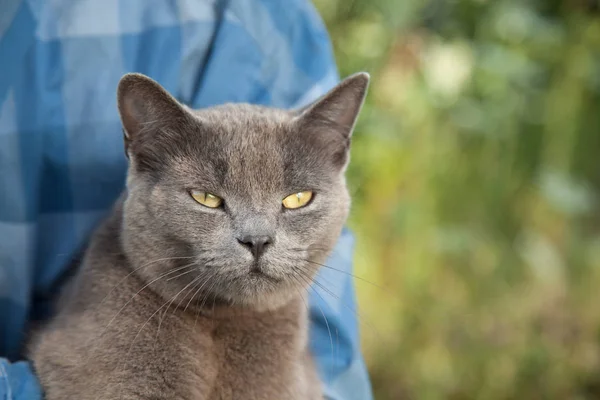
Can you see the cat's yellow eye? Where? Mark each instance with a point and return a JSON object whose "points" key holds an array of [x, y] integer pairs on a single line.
{"points": [[297, 200], [206, 199]]}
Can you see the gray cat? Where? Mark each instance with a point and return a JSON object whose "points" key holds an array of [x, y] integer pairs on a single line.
{"points": [[192, 288]]}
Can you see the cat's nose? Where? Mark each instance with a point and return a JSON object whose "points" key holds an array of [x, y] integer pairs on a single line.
{"points": [[256, 244]]}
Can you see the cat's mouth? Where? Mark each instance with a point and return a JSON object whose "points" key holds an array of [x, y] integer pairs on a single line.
{"points": [[258, 271]]}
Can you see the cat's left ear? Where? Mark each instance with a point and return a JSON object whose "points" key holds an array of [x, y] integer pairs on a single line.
{"points": [[334, 115]]}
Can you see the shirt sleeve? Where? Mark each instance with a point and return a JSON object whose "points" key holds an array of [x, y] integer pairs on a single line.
{"points": [[18, 382]]}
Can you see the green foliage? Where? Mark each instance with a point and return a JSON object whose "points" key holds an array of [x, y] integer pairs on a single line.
{"points": [[476, 187]]}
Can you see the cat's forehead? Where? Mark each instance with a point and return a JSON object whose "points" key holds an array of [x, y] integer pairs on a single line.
{"points": [[251, 137], [242, 147], [241, 118]]}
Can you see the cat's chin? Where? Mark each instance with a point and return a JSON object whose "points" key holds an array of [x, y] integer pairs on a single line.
{"points": [[240, 306], [259, 293], [270, 302], [261, 302]]}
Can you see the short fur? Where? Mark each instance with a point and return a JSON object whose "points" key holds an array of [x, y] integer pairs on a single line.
{"points": [[168, 304]]}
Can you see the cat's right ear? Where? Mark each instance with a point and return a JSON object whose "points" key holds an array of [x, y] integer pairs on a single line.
{"points": [[330, 120], [145, 107]]}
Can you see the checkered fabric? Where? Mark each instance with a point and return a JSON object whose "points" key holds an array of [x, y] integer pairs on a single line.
{"points": [[61, 153]]}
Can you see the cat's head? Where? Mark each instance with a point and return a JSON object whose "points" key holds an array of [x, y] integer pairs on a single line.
{"points": [[236, 203]]}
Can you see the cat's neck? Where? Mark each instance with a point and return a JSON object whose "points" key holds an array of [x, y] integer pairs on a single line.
{"points": [[293, 309], [285, 327]]}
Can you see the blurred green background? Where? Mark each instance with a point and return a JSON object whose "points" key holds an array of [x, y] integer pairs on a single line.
{"points": [[476, 187]]}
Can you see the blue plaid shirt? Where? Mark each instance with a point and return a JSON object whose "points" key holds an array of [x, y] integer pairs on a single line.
{"points": [[61, 154]]}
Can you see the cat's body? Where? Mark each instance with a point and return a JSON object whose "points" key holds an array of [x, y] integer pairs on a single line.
{"points": [[169, 303], [192, 356]]}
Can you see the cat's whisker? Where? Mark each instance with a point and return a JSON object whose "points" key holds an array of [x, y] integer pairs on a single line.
{"points": [[155, 312], [161, 317], [182, 274], [298, 289], [314, 249], [199, 281], [213, 309], [308, 248], [198, 309], [352, 275], [196, 293], [137, 269], [363, 319], [210, 289], [307, 281], [333, 356], [167, 309], [148, 320], [202, 299], [136, 294]]}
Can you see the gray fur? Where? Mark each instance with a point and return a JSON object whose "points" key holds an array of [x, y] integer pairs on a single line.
{"points": [[167, 303]]}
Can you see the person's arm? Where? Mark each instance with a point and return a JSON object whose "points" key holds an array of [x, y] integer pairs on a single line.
{"points": [[17, 380]]}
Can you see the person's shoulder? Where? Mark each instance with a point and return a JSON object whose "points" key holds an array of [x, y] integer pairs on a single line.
{"points": [[67, 19], [291, 18], [292, 10]]}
